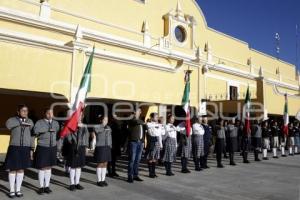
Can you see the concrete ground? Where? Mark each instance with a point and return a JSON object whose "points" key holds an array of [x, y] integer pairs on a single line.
{"points": [[267, 180]]}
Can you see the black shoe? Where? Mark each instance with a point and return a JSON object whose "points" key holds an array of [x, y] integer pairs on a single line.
{"points": [[233, 163], [47, 190], [151, 176], [220, 166], [246, 161], [72, 188], [100, 184], [198, 169], [105, 183], [265, 158], [79, 187], [19, 194], [206, 167], [41, 191], [115, 174], [291, 154], [130, 180], [283, 155], [257, 160], [276, 157], [11, 195], [138, 179]]}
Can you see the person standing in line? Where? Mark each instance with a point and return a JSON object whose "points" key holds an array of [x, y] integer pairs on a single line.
{"points": [[155, 132], [136, 140], [207, 137], [170, 145], [297, 137], [102, 153], [46, 131], [20, 150], [232, 141], [256, 139], [75, 148], [185, 146], [198, 143], [275, 138], [291, 139], [266, 134], [246, 144], [219, 132], [227, 138], [283, 141]]}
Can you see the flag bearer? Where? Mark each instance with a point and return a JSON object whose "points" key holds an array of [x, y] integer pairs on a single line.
{"points": [[266, 134], [256, 139], [20, 149], [170, 145], [198, 143], [45, 155], [283, 141], [275, 138], [232, 141], [185, 146], [291, 139], [155, 132], [75, 153], [102, 153], [220, 141]]}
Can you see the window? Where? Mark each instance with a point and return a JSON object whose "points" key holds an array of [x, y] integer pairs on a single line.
{"points": [[233, 92], [180, 34]]}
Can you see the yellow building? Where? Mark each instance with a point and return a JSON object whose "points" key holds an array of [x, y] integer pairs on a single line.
{"points": [[142, 48]]}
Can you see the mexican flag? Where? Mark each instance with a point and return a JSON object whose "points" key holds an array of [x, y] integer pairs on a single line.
{"points": [[247, 129], [286, 117], [186, 102], [71, 124]]}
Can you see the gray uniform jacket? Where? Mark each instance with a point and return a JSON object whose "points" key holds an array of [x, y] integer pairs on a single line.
{"points": [[233, 130], [20, 135], [80, 137], [46, 132], [103, 136], [220, 132], [256, 131]]}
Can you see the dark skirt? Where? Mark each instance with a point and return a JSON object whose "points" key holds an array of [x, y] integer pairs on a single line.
{"points": [[17, 158], [45, 157], [102, 154], [75, 158], [232, 144], [220, 145], [257, 142]]}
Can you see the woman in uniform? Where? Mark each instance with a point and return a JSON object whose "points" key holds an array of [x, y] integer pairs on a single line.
{"points": [[20, 150], [75, 153], [170, 145], [198, 143], [155, 133], [232, 141], [102, 154], [220, 141], [45, 155], [185, 146]]}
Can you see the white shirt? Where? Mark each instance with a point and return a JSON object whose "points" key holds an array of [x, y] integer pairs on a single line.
{"points": [[171, 131], [198, 129], [156, 130], [181, 128]]}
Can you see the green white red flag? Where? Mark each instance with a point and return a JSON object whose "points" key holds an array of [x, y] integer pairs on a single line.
{"points": [[247, 128], [286, 116], [71, 124], [186, 102]]}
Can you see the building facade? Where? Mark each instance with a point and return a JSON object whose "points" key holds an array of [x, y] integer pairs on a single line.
{"points": [[142, 49]]}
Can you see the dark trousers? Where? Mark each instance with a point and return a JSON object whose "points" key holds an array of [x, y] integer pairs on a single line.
{"points": [[112, 164], [135, 154]]}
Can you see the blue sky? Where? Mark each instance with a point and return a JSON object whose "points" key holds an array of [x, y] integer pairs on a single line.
{"points": [[256, 22]]}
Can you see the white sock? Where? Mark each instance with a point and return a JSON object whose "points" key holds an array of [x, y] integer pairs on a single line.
{"points": [[99, 171], [47, 177], [291, 150], [19, 181], [282, 151], [12, 181], [265, 152], [274, 152], [103, 174], [296, 149], [42, 178], [72, 176], [77, 175]]}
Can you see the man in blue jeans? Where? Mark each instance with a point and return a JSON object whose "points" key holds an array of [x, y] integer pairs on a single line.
{"points": [[136, 140]]}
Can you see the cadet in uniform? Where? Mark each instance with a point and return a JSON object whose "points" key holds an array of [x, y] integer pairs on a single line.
{"points": [[291, 139], [198, 143], [297, 137], [46, 152], [275, 138], [207, 142], [102, 153], [170, 145], [232, 141], [256, 139], [266, 134], [220, 141], [20, 149]]}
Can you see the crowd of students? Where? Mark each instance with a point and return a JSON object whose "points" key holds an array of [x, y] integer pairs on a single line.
{"points": [[163, 143]]}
